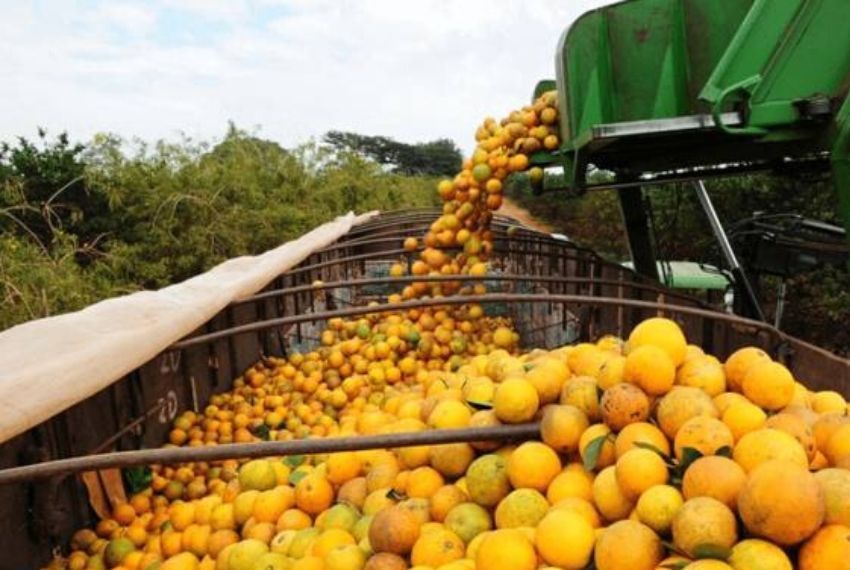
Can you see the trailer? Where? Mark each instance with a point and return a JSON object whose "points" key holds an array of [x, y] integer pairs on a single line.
{"points": [[650, 91]]}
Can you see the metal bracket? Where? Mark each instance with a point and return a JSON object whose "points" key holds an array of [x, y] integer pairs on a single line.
{"points": [[744, 86]]}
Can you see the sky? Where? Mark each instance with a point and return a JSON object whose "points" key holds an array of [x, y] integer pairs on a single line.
{"points": [[288, 70]]}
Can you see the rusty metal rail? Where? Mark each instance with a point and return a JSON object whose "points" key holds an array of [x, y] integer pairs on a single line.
{"points": [[498, 277], [466, 299], [173, 455]]}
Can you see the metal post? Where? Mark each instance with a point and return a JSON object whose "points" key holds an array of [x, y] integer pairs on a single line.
{"points": [[780, 303], [751, 304], [840, 158], [638, 231]]}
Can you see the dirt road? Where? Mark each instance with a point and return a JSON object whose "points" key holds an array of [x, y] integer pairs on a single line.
{"points": [[513, 210]]}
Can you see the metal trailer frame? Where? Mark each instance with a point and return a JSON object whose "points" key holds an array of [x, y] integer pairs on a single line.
{"points": [[545, 284]]}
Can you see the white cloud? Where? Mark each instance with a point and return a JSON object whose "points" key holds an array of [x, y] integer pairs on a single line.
{"points": [[298, 68]]}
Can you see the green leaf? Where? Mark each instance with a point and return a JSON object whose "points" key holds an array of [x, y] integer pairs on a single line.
{"points": [[478, 405], [676, 565], [294, 461], [725, 451], [138, 479], [592, 451], [714, 551], [673, 549], [263, 432], [689, 455], [296, 476], [649, 446]]}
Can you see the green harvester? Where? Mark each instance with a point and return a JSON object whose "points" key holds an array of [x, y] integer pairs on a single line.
{"points": [[655, 91]]}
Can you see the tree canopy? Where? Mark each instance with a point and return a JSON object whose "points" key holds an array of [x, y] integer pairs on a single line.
{"points": [[440, 157]]}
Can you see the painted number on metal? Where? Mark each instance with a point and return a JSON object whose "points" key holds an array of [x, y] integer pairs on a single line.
{"points": [[168, 407]]}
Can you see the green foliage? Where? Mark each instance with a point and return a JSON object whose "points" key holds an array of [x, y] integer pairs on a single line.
{"points": [[80, 223], [436, 158]]}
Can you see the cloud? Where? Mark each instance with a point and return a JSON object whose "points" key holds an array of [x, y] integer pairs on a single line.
{"points": [[297, 68]]}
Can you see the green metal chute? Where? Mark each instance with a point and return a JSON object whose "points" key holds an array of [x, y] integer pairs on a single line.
{"points": [[669, 90]]}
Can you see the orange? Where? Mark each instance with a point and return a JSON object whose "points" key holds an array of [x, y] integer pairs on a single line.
{"points": [[609, 499], [704, 434], [533, 465], [769, 385], [445, 499], [394, 530], [293, 519], [313, 494], [437, 548], [506, 548], [182, 561], [782, 502], [661, 333], [583, 393], [343, 466], [573, 481], [257, 474], [565, 539], [635, 435], [124, 514], [835, 485], [650, 368], [657, 506], [562, 426], [547, 376], [838, 445], [826, 425], [628, 544], [424, 482], [716, 477], [743, 417], [451, 459], [468, 521], [487, 480], [450, 414], [828, 548], [385, 561], [271, 504], [739, 363], [219, 540], [768, 444], [330, 539], [703, 521], [582, 507], [181, 514], [758, 554], [515, 401], [796, 427], [521, 508], [703, 372], [623, 404], [828, 401], [680, 405], [638, 470]]}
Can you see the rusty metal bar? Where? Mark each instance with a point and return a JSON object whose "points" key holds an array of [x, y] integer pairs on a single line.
{"points": [[464, 299], [270, 293], [171, 455]]}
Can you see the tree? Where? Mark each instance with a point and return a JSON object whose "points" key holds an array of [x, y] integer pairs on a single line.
{"points": [[435, 158]]}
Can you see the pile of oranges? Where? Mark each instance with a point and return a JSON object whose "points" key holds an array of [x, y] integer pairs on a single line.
{"points": [[651, 453]]}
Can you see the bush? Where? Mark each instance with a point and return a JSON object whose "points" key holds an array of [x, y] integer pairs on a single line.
{"points": [[80, 223]]}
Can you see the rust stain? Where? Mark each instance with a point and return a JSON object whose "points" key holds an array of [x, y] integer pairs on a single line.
{"points": [[641, 35]]}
